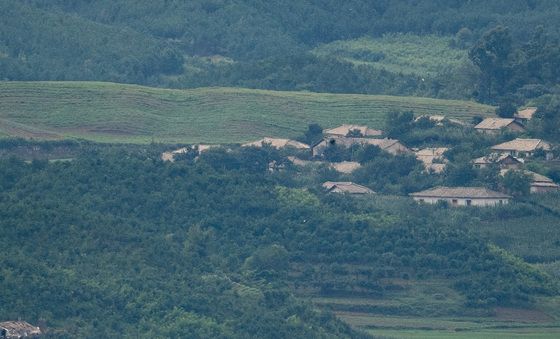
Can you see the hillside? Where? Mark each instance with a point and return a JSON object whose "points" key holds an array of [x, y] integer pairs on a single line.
{"points": [[110, 112]]}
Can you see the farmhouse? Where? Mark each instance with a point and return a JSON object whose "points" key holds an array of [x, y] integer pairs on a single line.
{"points": [[352, 130], [525, 115], [439, 120], [345, 167], [388, 145], [539, 182], [276, 143], [170, 155], [495, 125], [503, 160], [522, 148], [432, 158], [18, 329], [346, 187], [462, 196]]}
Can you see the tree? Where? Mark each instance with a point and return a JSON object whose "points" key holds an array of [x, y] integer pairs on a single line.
{"points": [[491, 55], [516, 183], [313, 134], [506, 109], [398, 123]]}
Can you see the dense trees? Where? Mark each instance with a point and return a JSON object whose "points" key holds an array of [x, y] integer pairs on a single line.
{"points": [[118, 242], [267, 45]]}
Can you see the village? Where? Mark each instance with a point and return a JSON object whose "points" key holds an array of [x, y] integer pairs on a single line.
{"points": [[511, 156]]}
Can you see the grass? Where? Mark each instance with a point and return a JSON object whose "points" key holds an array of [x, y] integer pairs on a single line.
{"points": [[524, 333], [421, 55], [108, 112]]}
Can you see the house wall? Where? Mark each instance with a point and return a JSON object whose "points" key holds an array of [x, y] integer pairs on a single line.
{"points": [[463, 201], [543, 189]]}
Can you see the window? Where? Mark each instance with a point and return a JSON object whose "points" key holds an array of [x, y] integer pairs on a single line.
{"points": [[454, 202], [469, 202], [421, 200]]}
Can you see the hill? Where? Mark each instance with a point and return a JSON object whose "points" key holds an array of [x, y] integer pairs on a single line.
{"points": [[111, 112]]}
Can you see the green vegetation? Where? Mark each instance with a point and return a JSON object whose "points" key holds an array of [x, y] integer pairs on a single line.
{"points": [[425, 56], [223, 230], [247, 43], [132, 114]]}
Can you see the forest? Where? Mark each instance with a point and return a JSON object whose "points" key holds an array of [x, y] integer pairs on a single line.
{"points": [[259, 44]]}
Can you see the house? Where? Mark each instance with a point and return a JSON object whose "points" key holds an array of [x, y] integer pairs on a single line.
{"points": [[388, 145], [346, 187], [539, 182], [18, 329], [277, 143], [352, 130], [462, 196], [495, 125], [439, 120], [432, 158], [523, 148], [525, 115], [170, 155], [345, 167], [503, 160]]}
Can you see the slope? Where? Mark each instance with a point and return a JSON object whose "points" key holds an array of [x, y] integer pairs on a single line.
{"points": [[111, 112]]}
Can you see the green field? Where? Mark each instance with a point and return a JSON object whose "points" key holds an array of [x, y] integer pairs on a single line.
{"points": [[422, 55], [521, 333], [109, 112]]}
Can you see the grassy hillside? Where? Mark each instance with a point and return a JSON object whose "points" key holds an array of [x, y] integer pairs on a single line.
{"points": [[425, 55], [133, 114]]}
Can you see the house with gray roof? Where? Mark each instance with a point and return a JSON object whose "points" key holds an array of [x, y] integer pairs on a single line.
{"points": [[462, 196]]}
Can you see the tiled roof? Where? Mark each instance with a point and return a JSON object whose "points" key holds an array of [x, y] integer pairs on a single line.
{"points": [[494, 158], [494, 123], [536, 177], [277, 143], [343, 130], [526, 114], [523, 145], [346, 187], [20, 329], [461, 192]]}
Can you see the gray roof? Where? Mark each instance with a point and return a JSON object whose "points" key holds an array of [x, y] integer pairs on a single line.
{"points": [[495, 123], [461, 192], [346, 187]]}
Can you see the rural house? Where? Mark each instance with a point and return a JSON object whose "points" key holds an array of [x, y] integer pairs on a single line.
{"points": [[523, 148], [525, 115], [503, 160], [18, 329], [170, 155], [276, 143], [539, 182], [345, 167], [388, 145], [352, 130], [432, 158], [462, 196], [495, 125], [439, 120], [346, 187]]}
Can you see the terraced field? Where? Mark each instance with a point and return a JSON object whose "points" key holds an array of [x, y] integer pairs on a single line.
{"points": [[109, 112]]}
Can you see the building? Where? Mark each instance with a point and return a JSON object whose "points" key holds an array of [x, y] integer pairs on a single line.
{"points": [[462, 196], [525, 114], [352, 130], [388, 145], [18, 329], [345, 167], [539, 182], [170, 155], [439, 120], [502, 160], [276, 143], [346, 187], [432, 158], [523, 148], [496, 125]]}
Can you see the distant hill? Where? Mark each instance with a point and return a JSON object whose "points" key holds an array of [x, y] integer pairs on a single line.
{"points": [[266, 44], [111, 112]]}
